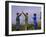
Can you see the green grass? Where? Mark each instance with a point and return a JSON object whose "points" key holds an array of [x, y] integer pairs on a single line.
{"points": [[29, 27]]}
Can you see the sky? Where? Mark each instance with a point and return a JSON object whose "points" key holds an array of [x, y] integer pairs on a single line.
{"points": [[26, 9]]}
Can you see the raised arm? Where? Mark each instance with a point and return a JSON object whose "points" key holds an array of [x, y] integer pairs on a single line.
{"points": [[23, 13], [20, 14]]}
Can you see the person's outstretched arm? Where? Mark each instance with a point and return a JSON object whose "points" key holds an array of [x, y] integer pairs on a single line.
{"points": [[24, 14], [20, 14]]}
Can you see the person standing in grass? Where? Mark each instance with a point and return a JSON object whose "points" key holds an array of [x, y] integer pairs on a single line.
{"points": [[26, 19], [35, 22], [18, 21]]}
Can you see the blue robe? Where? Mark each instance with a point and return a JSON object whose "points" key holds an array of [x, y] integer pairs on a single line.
{"points": [[35, 23]]}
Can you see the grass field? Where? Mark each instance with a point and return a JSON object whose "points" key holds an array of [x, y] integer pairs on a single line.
{"points": [[27, 26]]}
